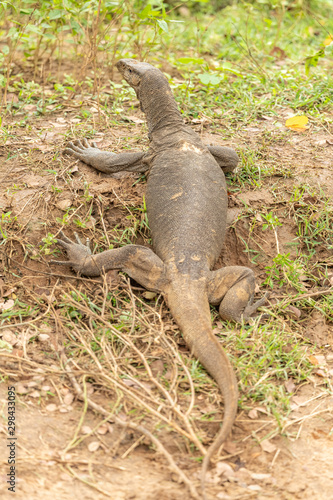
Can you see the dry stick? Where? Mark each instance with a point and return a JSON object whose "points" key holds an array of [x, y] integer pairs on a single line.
{"points": [[69, 276], [137, 398], [305, 296], [277, 453], [102, 221], [163, 391], [45, 458], [133, 426], [92, 485]]}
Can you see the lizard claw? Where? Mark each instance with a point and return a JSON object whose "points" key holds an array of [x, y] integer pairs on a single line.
{"points": [[83, 151], [63, 263], [79, 254], [252, 308]]}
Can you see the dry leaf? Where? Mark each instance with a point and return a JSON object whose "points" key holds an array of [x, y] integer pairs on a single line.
{"points": [[278, 53], [293, 312], [289, 385], [6, 305], [90, 389], [224, 469], [313, 360], [243, 474], [86, 429], [230, 447], [157, 367], [32, 383], [149, 295], [113, 278], [93, 446], [35, 394], [43, 337], [64, 204], [21, 389], [135, 119], [50, 408], [69, 398], [297, 123], [253, 414], [131, 383], [103, 429], [10, 337], [268, 446], [321, 359]]}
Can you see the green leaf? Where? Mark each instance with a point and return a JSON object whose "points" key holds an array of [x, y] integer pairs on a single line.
{"points": [[313, 60], [163, 25], [187, 60], [34, 29], [208, 79], [148, 12], [56, 14]]}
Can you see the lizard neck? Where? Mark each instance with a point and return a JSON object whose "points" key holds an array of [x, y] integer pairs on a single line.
{"points": [[158, 104]]}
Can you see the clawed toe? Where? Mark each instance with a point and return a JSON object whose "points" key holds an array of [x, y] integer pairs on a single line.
{"points": [[252, 308], [77, 237], [64, 237], [62, 263], [81, 149]]}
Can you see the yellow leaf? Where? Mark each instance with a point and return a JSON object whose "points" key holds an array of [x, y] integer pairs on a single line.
{"points": [[297, 122], [313, 360], [328, 41]]}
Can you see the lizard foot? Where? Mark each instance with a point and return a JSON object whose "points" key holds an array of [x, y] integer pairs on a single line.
{"points": [[79, 254], [252, 308], [84, 152]]}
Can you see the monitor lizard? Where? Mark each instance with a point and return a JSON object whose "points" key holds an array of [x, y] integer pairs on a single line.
{"points": [[186, 200]]}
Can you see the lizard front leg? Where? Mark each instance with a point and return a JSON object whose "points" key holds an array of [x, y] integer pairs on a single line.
{"points": [[139, 262], [233, 288], [106, 161], [227, 158]]}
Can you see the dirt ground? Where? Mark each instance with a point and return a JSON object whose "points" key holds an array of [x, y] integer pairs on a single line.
{"points": [[38, 185]]}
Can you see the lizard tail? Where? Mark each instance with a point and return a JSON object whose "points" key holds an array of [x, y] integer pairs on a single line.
{"points": [[228, 386], [192, 314]]}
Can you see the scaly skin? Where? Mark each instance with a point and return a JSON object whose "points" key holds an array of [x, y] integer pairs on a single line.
{"points": [[187, 205]]}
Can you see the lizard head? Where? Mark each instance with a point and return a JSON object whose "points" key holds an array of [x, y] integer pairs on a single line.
{"points": [[133, 71]]}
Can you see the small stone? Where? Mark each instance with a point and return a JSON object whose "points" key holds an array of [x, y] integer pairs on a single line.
{"points": [[35, 394], [43, 337], [21, 389], [51, 408], [68, 399], [260, 477], [93, 446], [254, 487]]}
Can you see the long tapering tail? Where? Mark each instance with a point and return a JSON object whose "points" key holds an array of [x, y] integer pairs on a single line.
{"points": [[192, 314]]}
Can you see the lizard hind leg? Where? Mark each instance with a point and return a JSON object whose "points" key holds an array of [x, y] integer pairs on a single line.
{"points": [[233, 289]]}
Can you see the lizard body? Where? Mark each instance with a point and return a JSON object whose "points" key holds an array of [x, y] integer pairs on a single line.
{"points": [[186, 203]]}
